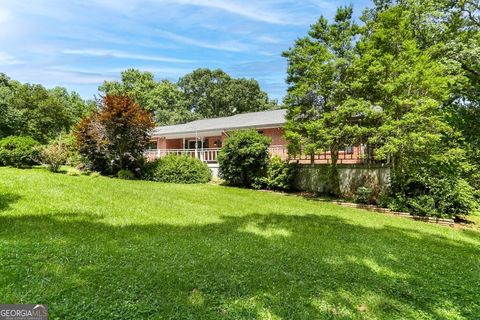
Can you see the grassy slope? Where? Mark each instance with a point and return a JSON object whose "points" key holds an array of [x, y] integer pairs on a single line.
{"points": [[100, 248]]}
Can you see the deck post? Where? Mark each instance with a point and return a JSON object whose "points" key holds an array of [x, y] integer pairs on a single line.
{"points": [[196, 144]]}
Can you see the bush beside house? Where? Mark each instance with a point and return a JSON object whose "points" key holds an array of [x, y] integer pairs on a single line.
{"points": [[280, 175], [177, 169], [431, 191], [243, 160]]}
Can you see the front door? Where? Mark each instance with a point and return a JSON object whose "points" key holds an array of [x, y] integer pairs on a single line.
{"points": [[190, 144]]}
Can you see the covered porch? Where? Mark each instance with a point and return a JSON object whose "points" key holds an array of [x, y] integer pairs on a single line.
{"points": [[202, 150], [206, 144]]}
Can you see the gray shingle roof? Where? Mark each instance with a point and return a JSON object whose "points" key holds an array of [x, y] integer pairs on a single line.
{"points": [[262, 119]]}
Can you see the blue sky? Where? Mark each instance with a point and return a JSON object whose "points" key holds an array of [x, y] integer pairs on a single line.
{"points": [[78, 44]]}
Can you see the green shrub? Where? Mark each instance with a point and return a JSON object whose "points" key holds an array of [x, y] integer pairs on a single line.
{"points": [[244, 158], [54, 155], [95, 174], [73, 172], [146, 169], [19, 151], [431, 191], [280, 175], [423, 205], [125, 174], [177, 169], [364, 194], [61, 151]]}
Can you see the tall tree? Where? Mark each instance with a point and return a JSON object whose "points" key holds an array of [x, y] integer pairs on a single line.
{"points": [[163, 99], [324, 112], [33, 110], [404, 73], [213, 93], [115, 137], [400, 76]]}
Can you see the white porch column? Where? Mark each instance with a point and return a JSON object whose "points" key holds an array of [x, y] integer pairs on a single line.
{"points": [[196, 144]]}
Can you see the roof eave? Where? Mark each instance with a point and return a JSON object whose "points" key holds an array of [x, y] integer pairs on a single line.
{"points": [[191, 133]]}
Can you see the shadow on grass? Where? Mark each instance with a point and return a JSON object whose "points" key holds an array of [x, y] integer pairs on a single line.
{"points": [[257, 266], [6, 199]]}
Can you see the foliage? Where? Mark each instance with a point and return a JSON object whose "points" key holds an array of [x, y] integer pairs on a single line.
{"points": [[125, 174], [19, 151], [203, 93], [170, 239], [324, 111], [178, 169], [213, 93], [410, 94], [95, 174], [92, 145], [73, 172], [429, 168], [53, 156], [402, 82], [280, 175], [364, 194], [163, 99], [32, 110], [436, 187], [243, 160], [61, 151], [115, 137]]}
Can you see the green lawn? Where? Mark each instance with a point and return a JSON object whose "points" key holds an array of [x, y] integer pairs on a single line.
{"points": [[102, 248]]}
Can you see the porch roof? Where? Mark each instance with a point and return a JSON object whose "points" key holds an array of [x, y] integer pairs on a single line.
{"points": [[215, 126]]}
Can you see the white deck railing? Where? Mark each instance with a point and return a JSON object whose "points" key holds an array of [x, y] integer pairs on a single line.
{"points": [[207, 154]]}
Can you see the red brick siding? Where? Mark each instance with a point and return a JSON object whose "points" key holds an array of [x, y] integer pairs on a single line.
{"points": [[276, 134], [174, 144]]}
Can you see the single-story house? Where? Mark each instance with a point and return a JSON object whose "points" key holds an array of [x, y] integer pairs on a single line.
{"points": [[204, 138]]}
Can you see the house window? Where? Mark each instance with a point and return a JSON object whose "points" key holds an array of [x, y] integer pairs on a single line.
{"points": [[190, 144], [152, 145], [218, 143], [349, 149]]}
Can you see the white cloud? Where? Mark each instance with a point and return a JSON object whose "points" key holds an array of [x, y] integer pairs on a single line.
{"points": [[123, 55], [263, 11], [4, 15], [75, 77], [242, 9], [233, 46], [7, 59]]}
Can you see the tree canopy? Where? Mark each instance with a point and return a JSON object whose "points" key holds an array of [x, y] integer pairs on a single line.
{"points": [[162, 98], [213, 93], [115, 137], [405, 81], [32, 110], [203, 93]]}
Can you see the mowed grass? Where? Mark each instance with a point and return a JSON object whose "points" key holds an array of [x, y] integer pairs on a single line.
{"points": [[102, 248]]}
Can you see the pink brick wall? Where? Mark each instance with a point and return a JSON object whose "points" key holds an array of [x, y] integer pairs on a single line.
{"points": [[174, 144], [276, 134]]}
